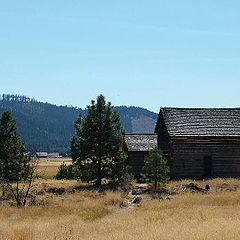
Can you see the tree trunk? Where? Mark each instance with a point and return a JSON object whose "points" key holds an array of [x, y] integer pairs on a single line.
{"points": [[99, 173], [155, 185], [98, 181]]}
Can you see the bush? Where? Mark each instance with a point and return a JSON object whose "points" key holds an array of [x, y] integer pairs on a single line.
{"points": [[66, 172], [120, 170], [156, 169]]}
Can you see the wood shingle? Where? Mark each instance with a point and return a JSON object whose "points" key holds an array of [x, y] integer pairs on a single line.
{"points": [[137, 147], [140, 142], [201, 121]]}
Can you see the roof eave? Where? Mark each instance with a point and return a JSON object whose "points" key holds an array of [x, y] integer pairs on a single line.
{"points": [[204, 137]]}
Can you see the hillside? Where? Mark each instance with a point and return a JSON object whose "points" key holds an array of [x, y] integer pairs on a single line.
{"points": [[47, 127]]}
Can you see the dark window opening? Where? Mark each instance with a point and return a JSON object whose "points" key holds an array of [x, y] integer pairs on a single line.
{"points": [[184, 165], [207, 161]]}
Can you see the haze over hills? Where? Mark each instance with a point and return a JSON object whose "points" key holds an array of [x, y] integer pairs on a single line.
{"points": [[47, 127]]}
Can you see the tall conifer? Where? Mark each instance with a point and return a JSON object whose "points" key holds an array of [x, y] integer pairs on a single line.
{"points": [[14, 163], [95, 148]]}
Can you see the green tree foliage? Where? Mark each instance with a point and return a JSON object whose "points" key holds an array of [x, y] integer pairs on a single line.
{"points": [[95, 148], [14, 163], [66, 172], [16, 167], [156, 169], [120, 169]]}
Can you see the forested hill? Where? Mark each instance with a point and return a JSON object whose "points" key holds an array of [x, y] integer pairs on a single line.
{"points": [[47, 127]]}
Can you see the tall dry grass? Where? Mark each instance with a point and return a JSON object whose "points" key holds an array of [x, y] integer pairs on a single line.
{"points": [[48, 167], [92, 215]]}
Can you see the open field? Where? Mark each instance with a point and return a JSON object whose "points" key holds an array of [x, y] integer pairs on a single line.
{"points": [[82, 214], [48, 167]]}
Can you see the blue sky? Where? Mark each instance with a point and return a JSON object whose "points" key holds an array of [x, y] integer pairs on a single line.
{"points": [[148, 53]]}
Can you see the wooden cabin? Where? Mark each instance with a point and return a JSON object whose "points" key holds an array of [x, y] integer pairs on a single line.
{"points": [[137, 147], [200, 142]]}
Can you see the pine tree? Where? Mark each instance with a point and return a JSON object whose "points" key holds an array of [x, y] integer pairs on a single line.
{"points": [[95, 148], [120, 171], [14, 163], [156, 169]]}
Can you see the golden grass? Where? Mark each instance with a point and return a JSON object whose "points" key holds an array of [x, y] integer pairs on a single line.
{"points": [[90, 215], [48, 167], [58, 213]]}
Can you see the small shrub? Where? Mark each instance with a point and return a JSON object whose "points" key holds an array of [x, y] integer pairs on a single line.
{"points": [[120, 174], [156, 169], [66, 172]]}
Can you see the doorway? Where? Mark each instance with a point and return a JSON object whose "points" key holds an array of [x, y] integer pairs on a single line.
{"points": [[207, 161]]}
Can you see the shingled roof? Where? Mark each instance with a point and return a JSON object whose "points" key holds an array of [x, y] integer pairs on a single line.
{"points": [[140, 142], [201, 121]]}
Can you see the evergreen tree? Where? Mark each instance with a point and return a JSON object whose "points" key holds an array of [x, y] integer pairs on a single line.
{"points": [[14, 163], [66, 172], [95, 148], [156, 169], [120, 169]]}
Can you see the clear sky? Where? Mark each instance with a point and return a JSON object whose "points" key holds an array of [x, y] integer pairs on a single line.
{"points": [[147, 53]]}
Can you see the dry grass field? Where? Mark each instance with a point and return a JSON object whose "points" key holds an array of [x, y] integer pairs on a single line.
{"points": [[81, 214], [48, 167]]}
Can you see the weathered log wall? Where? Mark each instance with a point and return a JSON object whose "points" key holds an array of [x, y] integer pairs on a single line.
{"points": [[136, 162], [187, 157]]}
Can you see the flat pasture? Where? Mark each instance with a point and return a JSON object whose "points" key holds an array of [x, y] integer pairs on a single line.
{"points": [[81, 214], [48, 167]]}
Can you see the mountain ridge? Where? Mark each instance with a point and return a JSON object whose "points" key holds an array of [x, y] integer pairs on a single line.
{"points": [[48, 127]]}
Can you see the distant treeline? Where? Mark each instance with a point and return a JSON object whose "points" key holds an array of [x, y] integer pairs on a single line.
{"points": [[16, 98], [47, 127]]}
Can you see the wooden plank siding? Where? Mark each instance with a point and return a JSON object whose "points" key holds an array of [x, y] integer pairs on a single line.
{"points": [[137, 146], [136, 162], [187, 157], [198, 142], [194, 136]]}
